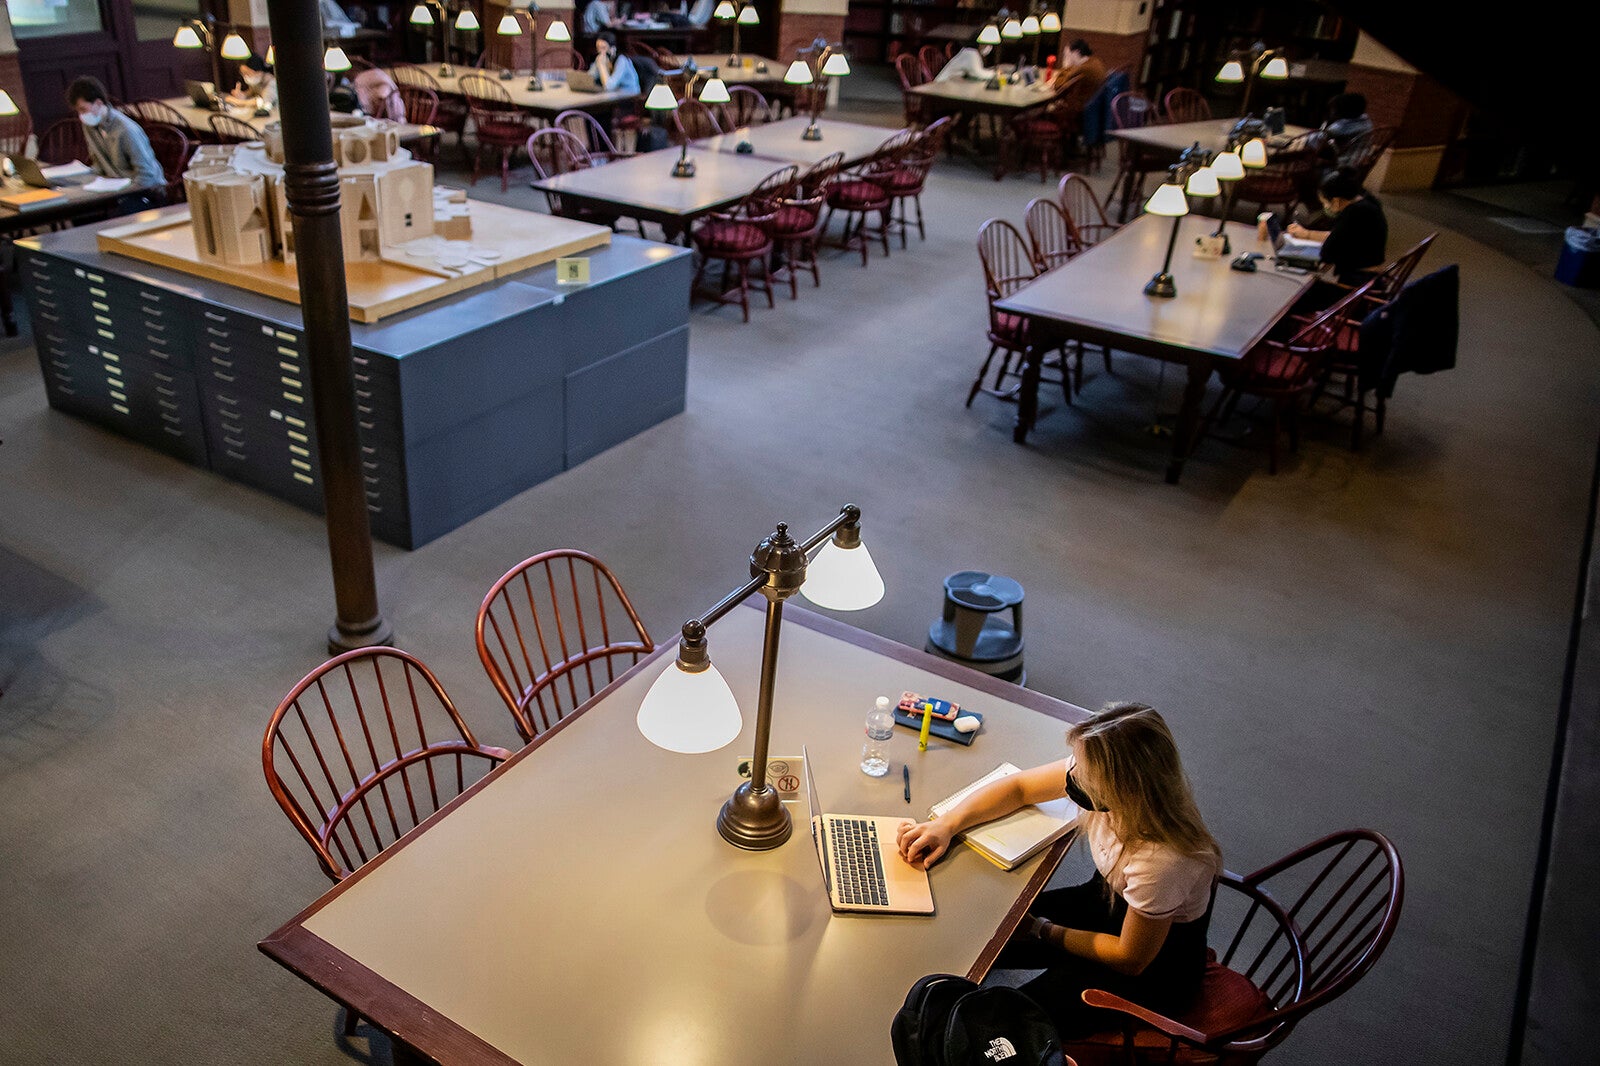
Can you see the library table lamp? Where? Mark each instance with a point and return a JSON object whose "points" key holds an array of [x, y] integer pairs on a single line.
{"points": [[1265, 62], [832, 63], [1169, 202], [201, 33], [8, 106], [1031, 28], [1229, 168], [1050, 22], [511, 26], [691, 710], [662, 100], [990, 34], [334, 61]]}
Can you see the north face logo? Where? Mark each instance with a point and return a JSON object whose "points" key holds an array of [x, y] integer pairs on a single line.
{"points": [[1000, 1049]]}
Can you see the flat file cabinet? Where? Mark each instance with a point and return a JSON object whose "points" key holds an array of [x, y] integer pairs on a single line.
{"points": [[460, 404]]}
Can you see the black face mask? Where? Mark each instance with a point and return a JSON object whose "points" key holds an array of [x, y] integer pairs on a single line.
{"points": [[1080, 797]]}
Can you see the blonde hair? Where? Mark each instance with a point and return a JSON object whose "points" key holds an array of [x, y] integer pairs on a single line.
{"points": [[1140, 778]]}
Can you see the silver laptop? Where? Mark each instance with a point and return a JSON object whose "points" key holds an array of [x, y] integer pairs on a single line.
{"points": [[1291, 252], [581, 81], [861, 867], [28, 170]]}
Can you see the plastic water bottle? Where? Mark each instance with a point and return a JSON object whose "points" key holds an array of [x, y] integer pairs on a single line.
{"points": [[880, 727]]}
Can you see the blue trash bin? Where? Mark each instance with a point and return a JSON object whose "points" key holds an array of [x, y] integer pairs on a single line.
{"points": [[1579, 265]]}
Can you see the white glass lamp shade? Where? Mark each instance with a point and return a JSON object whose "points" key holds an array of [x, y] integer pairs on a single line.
{"points": [[186, 37], [990, 34], [1012, 30], [1277, 68], [8, 106], [1254, 153], [1051, 23], [748, 16], [837, 65], [509, 26], [467, 20], [233, 47], [842, 579], [1203, 182], [714, 92], [1030, 26], [272, 55], [799, 73], [690, 713], [661, 98], [421, 15], [334, 60], [1168, 201], [557, 31], [725, 10], [1232, 72], [1227, 167]]}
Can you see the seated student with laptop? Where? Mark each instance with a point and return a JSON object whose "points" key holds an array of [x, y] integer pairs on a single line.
{"points": [[118, 147], [1138, 927], [1356, 242], [613, 70]]}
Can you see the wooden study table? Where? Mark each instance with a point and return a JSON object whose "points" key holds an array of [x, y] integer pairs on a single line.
{"points": [[749, 71], [1098, 297], [781, 141], [547, 102], [967, 97], [642, 187], [199, 119], [578, 905], [1158, 147]]}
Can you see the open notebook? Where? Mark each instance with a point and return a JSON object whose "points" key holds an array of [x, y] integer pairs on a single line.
{"points": [[1011, 841]]}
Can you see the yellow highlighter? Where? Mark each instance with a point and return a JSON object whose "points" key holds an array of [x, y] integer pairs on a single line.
{"points": [[927, 720]]}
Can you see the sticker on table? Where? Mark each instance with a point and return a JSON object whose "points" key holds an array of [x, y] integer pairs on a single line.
{"points": [[784, 774], [572, 270]]}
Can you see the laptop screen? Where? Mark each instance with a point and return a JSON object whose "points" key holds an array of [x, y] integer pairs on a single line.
{"points": [[815, 807]]}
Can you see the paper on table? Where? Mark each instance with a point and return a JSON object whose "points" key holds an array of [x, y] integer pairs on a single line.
{"points": [[107, 184], [1012, 840], [65, 170]]}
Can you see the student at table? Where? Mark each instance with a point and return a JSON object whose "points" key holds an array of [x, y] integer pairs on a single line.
{"points": [[597, 16], [1356, 241], [613, 70], [1080, 70], [256, 85], [118, 147], [1137, 928], [967, 64]]}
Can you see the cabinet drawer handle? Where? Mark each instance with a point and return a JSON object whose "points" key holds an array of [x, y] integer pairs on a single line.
{"points": [[115, 395], [107, 334], [98, 306], [367, 425], [63, 366], [374, 510], [174, 420], [174, 432], [369, 465], [374, 495], [229, 440], [369, 479], [225, 363], [293, 397], [301, 437], [363, 409], [155, 326], [213, 316], [363, 394], [290, 367], [168, 405], [300, 465], [290, 352], [96, 292], [69, 392], [234, 455], [46, 289], [119, 408], [159, 376], [47, 303], [297, 450], [225, 349], [232, 428], [153, 297], [223, 397], [293, 383], [230, 378], [301, 477]]}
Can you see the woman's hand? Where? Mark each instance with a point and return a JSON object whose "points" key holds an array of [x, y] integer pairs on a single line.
{"points": [[1297, 231], [922, 844]]}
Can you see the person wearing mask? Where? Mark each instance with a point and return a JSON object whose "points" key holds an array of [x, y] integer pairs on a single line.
{"points": [[118, 147], [1356, 240], [613, 70], [257, 87], [1137, 928]]}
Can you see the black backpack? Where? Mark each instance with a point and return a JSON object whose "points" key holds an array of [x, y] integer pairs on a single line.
{"points": [[949, 1021]]}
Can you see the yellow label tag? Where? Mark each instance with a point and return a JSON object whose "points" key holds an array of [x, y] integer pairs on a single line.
{"points": [[572, 270]]}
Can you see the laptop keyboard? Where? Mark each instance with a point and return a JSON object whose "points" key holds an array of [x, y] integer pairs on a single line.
{"points": [[857, 862]]}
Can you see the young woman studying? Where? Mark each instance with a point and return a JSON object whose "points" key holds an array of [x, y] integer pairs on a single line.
{"points": [[1138, 927]]}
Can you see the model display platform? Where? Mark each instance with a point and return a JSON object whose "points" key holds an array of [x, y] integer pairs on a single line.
{"points": [[406, 243]]}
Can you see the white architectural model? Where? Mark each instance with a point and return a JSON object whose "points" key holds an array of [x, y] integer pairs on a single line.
{"points": [[386, 198]]}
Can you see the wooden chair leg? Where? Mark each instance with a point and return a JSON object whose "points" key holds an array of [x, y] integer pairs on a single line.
{"points": [[977, 382], [744, 288], [922, 234]]}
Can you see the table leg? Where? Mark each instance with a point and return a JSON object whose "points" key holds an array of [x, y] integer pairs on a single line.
{"points": [[1028, 394], [7, 262], [1183, 437]]}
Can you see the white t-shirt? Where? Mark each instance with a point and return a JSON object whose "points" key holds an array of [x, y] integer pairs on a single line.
{"points": [[1157, 881]]}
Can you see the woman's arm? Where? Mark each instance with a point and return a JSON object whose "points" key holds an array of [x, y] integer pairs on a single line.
{"points": [[924, 843], [1128, 952]]}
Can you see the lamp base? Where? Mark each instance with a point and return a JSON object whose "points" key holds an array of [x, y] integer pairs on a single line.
{"points": [[535, 85], [505, 75], [754, 821], [734, 60], [812, 133], [446, 70], [1161, 285], [683, 168]]}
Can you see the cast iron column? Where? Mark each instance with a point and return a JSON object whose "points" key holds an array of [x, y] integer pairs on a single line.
{"points": [[311, 186]]}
